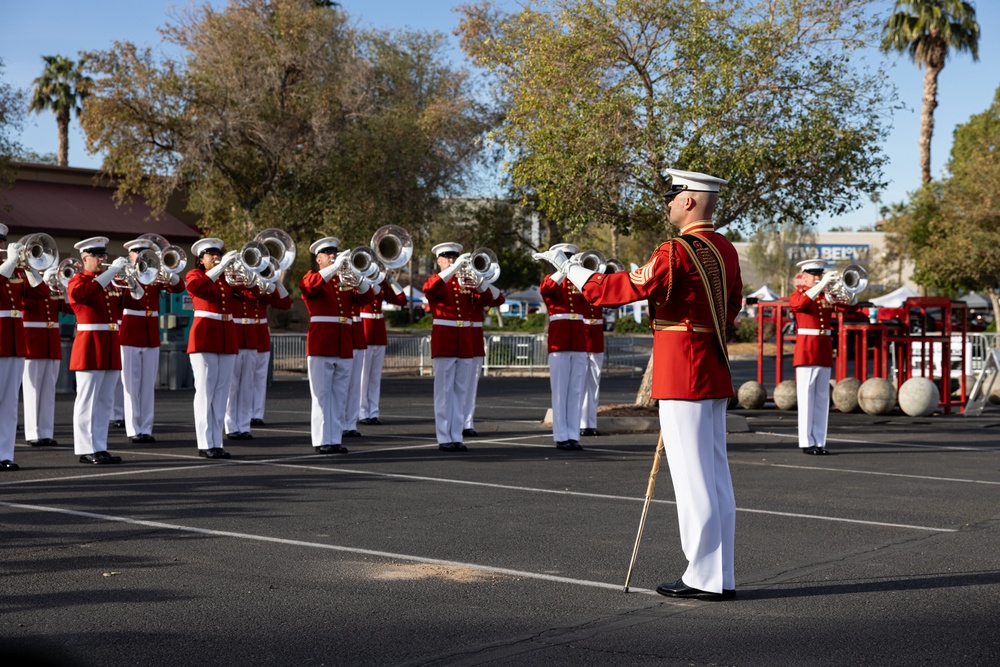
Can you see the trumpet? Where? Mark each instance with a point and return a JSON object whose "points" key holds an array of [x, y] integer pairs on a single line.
{"points": [[846, 284], [38, 251], [483, 264], [594, 260], [173, 259], [252, 259], [68, 268], [361, 263], [393, 246], [279, 245]]}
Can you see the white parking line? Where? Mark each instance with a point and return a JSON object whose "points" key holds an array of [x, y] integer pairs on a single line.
{"points": [[331, 547], [884, 443]]}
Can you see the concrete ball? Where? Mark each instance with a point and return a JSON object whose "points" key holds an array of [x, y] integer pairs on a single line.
{"points": [[919, 397], [994, 397], [784, 395], [877, 396], [752, 395], [845, 395]]}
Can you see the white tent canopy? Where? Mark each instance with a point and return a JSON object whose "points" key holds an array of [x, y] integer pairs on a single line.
{"points": [[417, 298], [894, 299], [977, 301], [763, 294]]}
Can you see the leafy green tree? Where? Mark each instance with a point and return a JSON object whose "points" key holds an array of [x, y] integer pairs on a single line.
{"points": [[11, 118], [770, 257], [62, 89], [603, 95], [928, 30]]}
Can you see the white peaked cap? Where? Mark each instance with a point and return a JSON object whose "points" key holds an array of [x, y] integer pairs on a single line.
{"points": [[325, 242], [815, 264], [3, 229], [450, 246], [567, 248], [139, 244], [201, 245], [694, 181], [92, 242]]}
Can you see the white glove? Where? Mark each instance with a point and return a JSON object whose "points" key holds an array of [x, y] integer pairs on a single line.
{"points": [[105, 278], [556, 258], [364, 285], [118, 265], [282, 292], [228, 258], [447, 274], [33, 278], [815, 290], [175, 278], [577, 273], [395, 286], [51, 274], [9, 264]]}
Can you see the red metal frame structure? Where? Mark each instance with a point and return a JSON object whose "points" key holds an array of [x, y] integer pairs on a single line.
{"points": [[778, 309]]}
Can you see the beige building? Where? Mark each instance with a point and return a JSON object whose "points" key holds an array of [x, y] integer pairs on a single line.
{"points": [[839, 248]]}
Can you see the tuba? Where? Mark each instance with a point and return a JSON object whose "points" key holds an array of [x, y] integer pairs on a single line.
{"points": [[38, 252], [279, 245], [845, 285], [252, 259], [393, 246]]}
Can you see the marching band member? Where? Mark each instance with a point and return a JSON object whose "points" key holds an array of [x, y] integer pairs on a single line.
{"points": [[12, 345], [452, 343], [239, 405], [813, 354], [352, 406], [140, 336], [593, 319], [373, 321], [491, 296], [693, 286], [276, 297], [212, 342], [330, 341], [567, 343], [118, 404], [97, 355], [41, 365]]}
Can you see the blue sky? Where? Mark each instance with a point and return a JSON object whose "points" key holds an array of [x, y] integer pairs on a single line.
{"points": [[34, 29]]}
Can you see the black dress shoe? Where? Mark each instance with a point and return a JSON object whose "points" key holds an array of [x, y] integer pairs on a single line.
{"points": [[246, 435], [256, 422], [447, 446], [148, 437], [374, 421], [140, 438], [564, 444], [43, 442], [459, 447], [469, 433], [7, 464], [351, 433], [95, 459], [223, 454], [679, 589], [212, 453], [575, 444], [235, 435], [815, 451], [365, 421], [107, 456], [118, 423], [324, 449], [339, 449], [589, 431]]}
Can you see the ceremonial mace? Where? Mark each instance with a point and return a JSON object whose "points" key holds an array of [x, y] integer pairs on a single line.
{"points": [[645, 507]]}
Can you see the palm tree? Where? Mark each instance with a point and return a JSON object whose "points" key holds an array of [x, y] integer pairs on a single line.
{"points": [[928, 30], [61, 88]]}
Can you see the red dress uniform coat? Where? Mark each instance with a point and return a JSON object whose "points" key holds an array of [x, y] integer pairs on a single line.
{"points": [[813, 315], [263, 330], [567, 310], [450, 302], [245, 317], [215, 334], [44, 342], [328, 299], [594, 319], [476, 315], [92, 304], [358, 329], [15, 293], [688, 362], [140, 317], [372, 318]]}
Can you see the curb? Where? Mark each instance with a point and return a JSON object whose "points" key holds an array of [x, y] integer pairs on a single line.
{"points": [[609, 425]]}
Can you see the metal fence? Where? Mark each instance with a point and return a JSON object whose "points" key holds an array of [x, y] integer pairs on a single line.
{"points": [[977, 346], [521, 354]]}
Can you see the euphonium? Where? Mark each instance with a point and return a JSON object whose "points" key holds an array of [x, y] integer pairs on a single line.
{"points": [[846, 284], [38, 252], [159, 243], [280, 246], [252, 259], [361, 263], [482, 264], [270, 274], [393, 246]]}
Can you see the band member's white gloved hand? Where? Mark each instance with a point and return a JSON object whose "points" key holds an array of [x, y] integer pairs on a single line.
{"points": [[487, 279], [216, 271], [395, 286], [33, 278], [815, 290], [364, 285], [51, 276], [174, 279], [116, 267], [280, 287], [9, 264], [448, 273], [556, 258], [575, 271]]}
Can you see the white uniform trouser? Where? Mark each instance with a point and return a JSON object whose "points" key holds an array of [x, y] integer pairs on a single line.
{"points": [[371, 380], [39, 389], [475, 371], [11, 369], [567, 377], [352, 405], [451, 382], [239, 404], [140, 368], [260, 383], [95, 394], [213, 372], [592, 391], [694, 439], [812, 389], [328, 381], [118, 401]]}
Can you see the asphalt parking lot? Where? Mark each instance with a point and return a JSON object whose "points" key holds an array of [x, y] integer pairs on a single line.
{"points": [[884, 553]]}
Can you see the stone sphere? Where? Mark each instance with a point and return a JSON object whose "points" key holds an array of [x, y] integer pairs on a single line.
{"points": [[919, 397], [845, 395], [752, 395], [784, 395], [877, 396]]}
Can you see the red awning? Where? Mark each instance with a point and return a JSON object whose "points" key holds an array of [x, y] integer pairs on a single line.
{"points": [[62, 209]]}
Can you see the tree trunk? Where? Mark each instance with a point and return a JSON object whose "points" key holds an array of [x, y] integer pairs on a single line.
{"points": [[62, 122], [643, 398], [927, 120], [614, 242], [995, 301]]}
